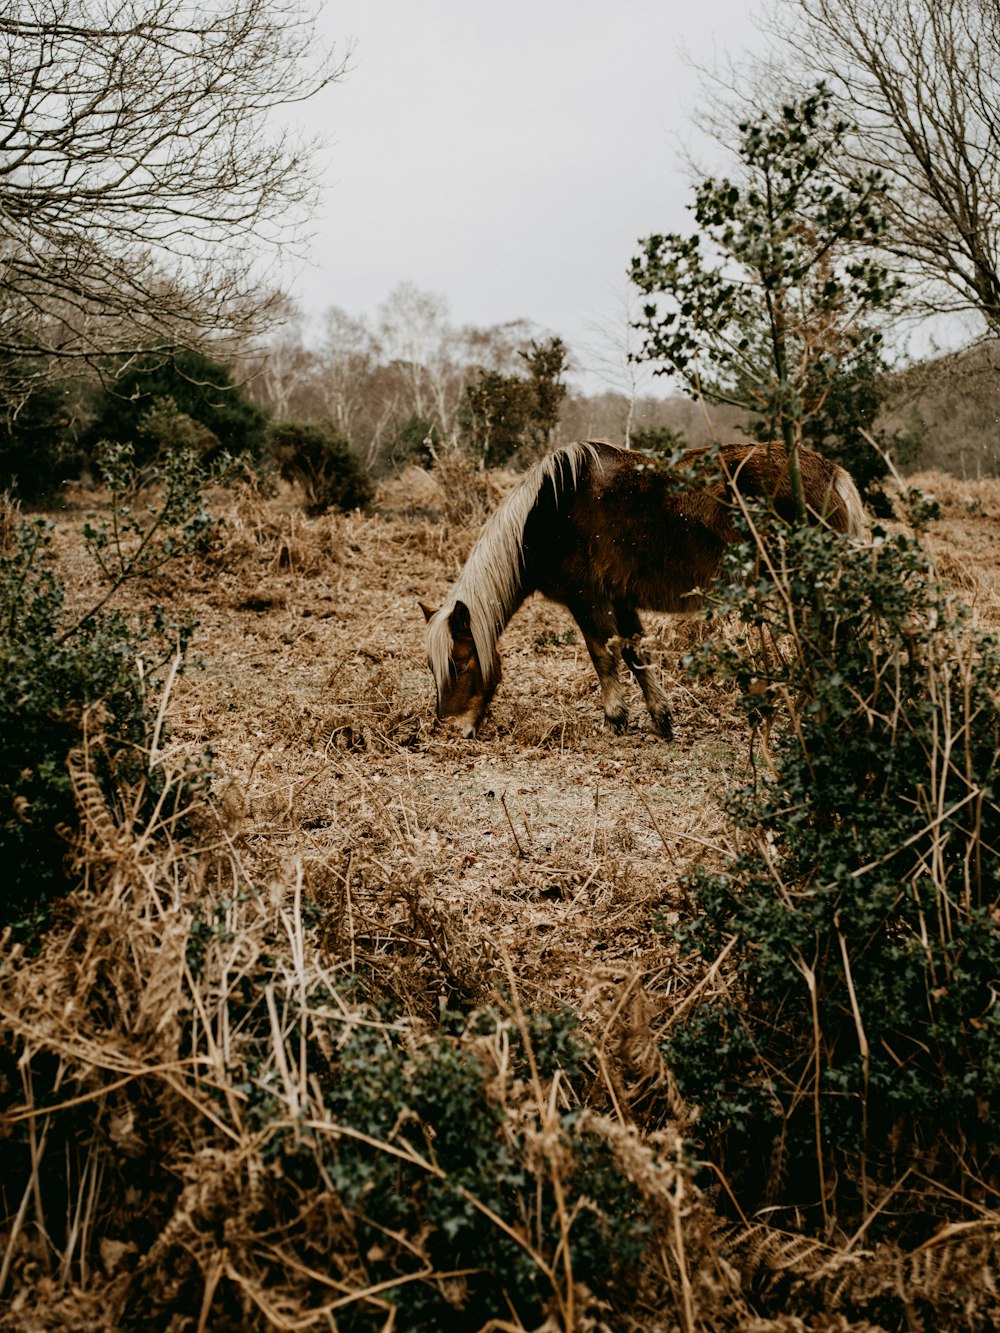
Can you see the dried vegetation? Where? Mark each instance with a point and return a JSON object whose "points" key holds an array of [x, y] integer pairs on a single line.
{"points": [[376, 1043]]}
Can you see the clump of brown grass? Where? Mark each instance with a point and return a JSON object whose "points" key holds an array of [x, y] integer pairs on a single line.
{"points": [[469, 491], [960, 496], [268, 535], [457, 491], [369, 708], [413, 492]]}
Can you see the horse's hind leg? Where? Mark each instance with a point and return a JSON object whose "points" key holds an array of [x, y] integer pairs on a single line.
{"points": [[599, 631], [631, 631]]}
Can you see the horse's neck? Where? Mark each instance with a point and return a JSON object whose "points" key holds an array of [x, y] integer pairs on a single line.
{"points": [[492, 586]]}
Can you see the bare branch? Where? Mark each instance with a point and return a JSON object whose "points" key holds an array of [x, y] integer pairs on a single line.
{"points": [[143, 173], [921, 80]]}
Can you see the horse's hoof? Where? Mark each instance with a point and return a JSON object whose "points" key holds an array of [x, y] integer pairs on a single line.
{"points": [[616, 722], [664, 725]]}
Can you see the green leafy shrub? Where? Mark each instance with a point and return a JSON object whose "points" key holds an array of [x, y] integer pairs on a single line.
{"points": [[435, 1169], [200, 388], [317, 457], [166, 430], [38, 448], [60, 689], [772, 305], [859, 1038], [504, 416], [844, 427], [417, 441], [658, 440], [158, 512]]}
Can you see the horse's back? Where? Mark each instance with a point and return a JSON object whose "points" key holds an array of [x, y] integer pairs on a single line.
{"points": [[621, 533], [626, 528]]}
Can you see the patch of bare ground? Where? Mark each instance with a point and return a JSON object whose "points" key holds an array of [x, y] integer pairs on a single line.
{"points": [[538, 866]]}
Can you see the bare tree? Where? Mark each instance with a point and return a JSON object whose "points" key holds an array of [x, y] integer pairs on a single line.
{"points": [[414, 333], [287, 368], [384, 384], [142, 173], [921, 80], [346, 361], [366, 399]]}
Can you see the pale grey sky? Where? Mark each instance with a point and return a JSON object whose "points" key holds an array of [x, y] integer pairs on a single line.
{"points": [[508, 156]]}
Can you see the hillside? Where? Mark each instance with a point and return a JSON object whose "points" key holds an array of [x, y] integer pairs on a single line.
{"points": [[957, 399]]}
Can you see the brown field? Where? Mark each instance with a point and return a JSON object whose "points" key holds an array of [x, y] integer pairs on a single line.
{"points": [[546, 837], [542, 859]]}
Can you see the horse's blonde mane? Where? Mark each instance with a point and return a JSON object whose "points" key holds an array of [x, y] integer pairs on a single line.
{"points": [[490, 582], [857, 519]]}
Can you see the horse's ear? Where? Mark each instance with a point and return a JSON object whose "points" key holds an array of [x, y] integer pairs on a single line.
{"points": [[460, 622], [429, 612]]}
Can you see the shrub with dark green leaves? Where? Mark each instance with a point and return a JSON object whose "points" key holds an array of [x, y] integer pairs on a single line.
{"points": [[660, 441], [158, 512], [433, 1171], [317, 457], [416, 442], [38, 437], [859, 1037], [60, 685], [201, 389], [508, 416]]}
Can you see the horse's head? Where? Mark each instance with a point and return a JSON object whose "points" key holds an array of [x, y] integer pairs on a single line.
{"points": [[464, 689]]}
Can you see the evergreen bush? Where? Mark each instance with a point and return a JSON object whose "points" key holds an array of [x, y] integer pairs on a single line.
{"points": [[158, 511], [317, 457], [859, 1037], [38, 448], [417, 442], [61, 689], [200, 388], [461, 1194], [658, 441]]}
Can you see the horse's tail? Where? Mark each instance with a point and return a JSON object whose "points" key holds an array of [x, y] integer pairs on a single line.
{"points": [[847, 493]]}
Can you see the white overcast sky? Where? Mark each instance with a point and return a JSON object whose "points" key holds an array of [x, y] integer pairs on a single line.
{"points": [[507, 156]]}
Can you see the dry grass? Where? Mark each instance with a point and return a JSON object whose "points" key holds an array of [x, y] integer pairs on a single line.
{"points": [[533, 868]]}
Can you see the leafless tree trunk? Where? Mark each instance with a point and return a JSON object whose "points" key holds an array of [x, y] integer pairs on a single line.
{"points": [[921, 78], [346, 362], [141, 172], [432, 358], [286, 371]]}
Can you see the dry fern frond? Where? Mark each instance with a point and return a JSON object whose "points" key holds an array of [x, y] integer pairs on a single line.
{"points": [[100, 833], [758, 1247]]}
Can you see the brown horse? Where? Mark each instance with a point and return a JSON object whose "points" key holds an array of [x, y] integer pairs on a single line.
{"points": [[605, 531]]}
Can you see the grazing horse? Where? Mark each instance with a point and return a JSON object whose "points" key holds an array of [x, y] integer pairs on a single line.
{"points": [[604, 531]]}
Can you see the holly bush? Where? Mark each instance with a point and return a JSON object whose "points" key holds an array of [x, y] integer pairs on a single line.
{"points": [[859, 1037]]}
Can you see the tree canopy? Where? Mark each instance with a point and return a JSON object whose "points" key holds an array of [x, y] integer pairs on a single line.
{"points": [[770, 305], [141, 172]]}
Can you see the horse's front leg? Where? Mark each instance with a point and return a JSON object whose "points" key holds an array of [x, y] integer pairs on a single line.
{"points": [[600, 634], [630, 628]]}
